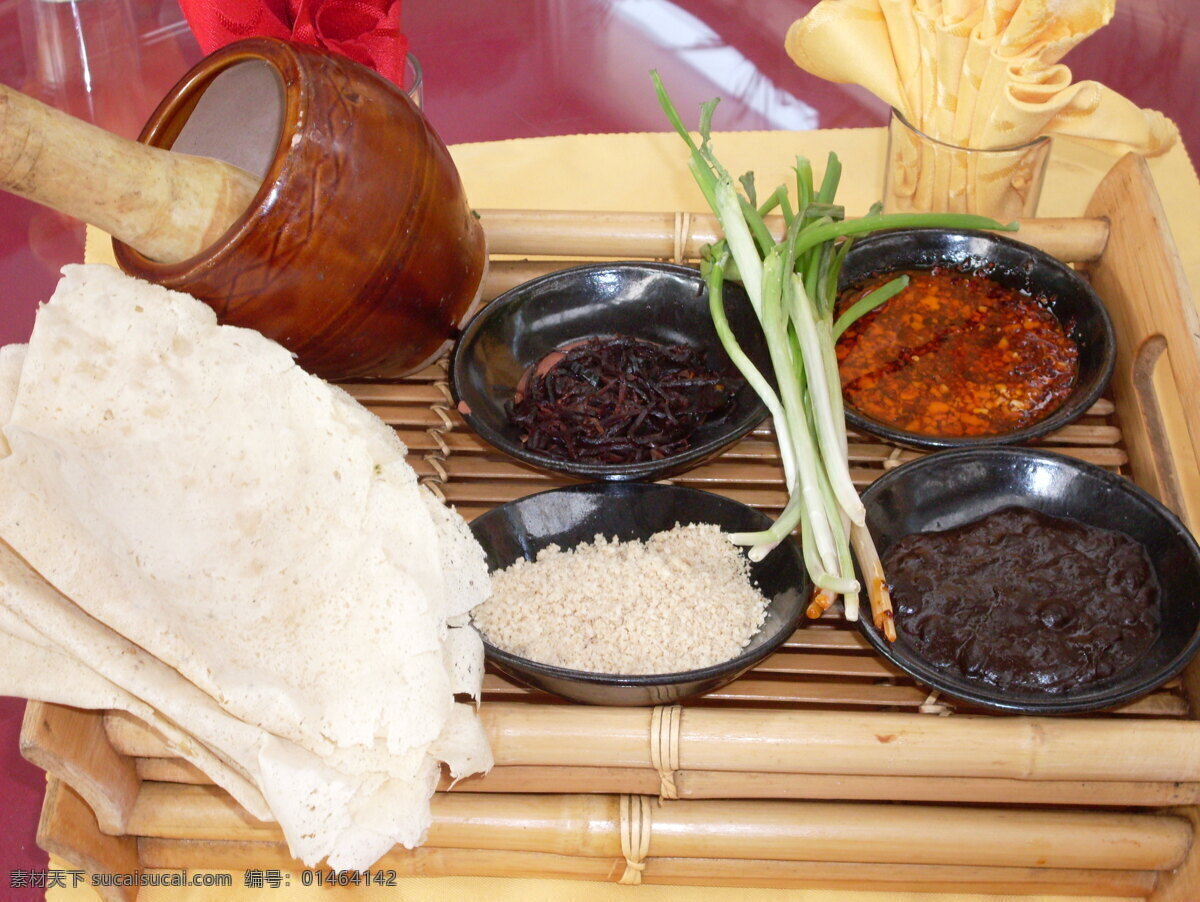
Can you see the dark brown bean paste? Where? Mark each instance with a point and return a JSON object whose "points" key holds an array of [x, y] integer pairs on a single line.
{"points": [[1022, 600]]}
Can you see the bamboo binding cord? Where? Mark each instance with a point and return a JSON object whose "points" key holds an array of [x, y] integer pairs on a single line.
{"points": [[636, 829], [931, 705], [665, 728], [683, 228], [436, 459], [167, 206]]}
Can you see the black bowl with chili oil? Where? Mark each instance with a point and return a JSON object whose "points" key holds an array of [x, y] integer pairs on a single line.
{"points": [[1062, 342], [629, 307], [1005, 613]]}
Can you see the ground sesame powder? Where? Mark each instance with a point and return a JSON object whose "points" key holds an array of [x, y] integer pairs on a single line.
{"points": [[678, 601]]}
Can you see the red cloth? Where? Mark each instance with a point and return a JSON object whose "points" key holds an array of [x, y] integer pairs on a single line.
{"points": [[367, 31]]}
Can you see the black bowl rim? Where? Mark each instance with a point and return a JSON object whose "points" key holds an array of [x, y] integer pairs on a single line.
{"points": [[990, 697], [714, 671], [634, 472], [1057, 418]]}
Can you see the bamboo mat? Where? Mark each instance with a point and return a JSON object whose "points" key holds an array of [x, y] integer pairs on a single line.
{"points": [[825, 665]]}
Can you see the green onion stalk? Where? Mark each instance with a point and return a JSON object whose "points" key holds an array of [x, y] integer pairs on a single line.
{"points": [[791, 281]]}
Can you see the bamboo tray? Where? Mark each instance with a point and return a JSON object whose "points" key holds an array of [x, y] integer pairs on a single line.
{"points": [[822, 767]]}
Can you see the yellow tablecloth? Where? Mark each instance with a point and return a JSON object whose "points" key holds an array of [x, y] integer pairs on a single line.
{"points": [[647, 172]]}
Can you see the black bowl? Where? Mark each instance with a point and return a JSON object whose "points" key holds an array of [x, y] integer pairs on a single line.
{"points": [[951, 488], [576, 514], [659, 302], [1016, 266]]}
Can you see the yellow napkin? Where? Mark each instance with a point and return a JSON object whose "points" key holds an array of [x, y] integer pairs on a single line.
{"points": [[976, 73]]}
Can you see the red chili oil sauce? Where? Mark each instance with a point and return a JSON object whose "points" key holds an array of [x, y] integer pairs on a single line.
{"points": [[955, 354]]}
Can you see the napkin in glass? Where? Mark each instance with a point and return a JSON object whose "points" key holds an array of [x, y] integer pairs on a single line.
{"points": [[977, 73]]}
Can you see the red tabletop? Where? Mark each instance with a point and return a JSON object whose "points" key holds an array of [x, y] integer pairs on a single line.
{"points": [[514, 70]]}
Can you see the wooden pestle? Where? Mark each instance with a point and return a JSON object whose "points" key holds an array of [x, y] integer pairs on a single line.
{"points": [[167, 206]]}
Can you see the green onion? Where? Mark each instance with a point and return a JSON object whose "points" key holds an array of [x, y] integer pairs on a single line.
{"points": [[867, 303], [792, 286]]}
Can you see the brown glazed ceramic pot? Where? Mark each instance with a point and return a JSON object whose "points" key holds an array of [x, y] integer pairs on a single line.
{"points": [[359, 252]]}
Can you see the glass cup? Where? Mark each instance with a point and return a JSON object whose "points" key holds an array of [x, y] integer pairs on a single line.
{"points": [[414, 82], [923, 174], [83, 57]]}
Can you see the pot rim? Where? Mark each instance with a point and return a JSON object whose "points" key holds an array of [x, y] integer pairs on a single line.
{"points": [[167, 120]]}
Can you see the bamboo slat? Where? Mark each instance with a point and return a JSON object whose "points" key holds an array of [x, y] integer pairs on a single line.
{"points": [[72, 743], [169, 770], [67, 828], [789, 662], [817, 636], [818, 742], [1183, 883], [576, 234], [430, 387], [474, 470], [133, 738], [761, 691], [845, 742], [469, 465], [590, 826], [887, 878], [448, 452], [753, 449], [713, 784], [1157, 372]]}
